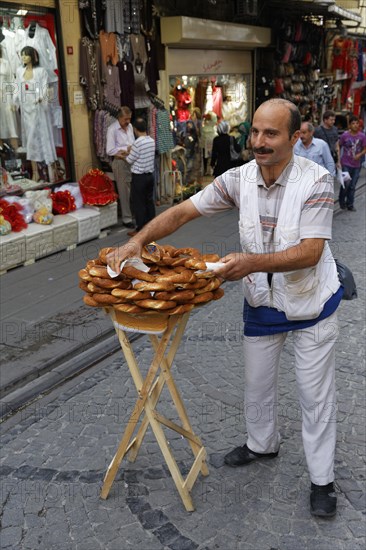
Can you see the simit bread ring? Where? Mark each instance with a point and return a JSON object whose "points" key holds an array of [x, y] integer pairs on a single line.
{"points": [[83, 285], [92, 263], [94, 288], [202, 298], [193, 252], [157, 304], [210, 258], [129, 308], [205, 274], [212, 284], [200, 283], [178, 262], [102, 256], [154, 287], [218, 293], [99, 271], [195, 263], [183, 308], [131, 294], [107, 299], [134, 273], [164, 270], [168, 249], [151, 252], [180, 296], [111, 283], [186, 276], [89, 301], [84, 275]]}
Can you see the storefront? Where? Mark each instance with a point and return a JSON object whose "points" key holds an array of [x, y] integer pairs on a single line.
{"points": [[209, 77], [34, 127], [58, 23], [46, 145]]}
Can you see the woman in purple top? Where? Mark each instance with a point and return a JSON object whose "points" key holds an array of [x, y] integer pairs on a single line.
{"points": [[353, 147]]}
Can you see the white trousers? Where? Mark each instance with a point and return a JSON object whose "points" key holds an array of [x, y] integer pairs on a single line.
{"points": [[122, 176], [314, 350]]}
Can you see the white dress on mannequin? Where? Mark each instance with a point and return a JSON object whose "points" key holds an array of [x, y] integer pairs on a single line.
{"points": [[40, 39], [36, 125], [8, 125]]}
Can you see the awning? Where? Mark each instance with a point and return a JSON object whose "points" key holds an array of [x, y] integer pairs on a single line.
{"points": [[191, 32], [343, 13]]}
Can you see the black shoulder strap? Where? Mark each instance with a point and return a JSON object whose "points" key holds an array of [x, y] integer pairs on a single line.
{"points": [[326, 137]]}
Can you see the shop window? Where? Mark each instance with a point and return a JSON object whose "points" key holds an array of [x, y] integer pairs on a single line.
{"points": [[33, 141], [198, 103]]}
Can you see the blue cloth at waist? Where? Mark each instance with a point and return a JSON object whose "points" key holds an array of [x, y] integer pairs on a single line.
{"points": [[263, 321]]}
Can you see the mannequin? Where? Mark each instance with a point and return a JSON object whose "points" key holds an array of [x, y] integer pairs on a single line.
{"points": [[8, 126], [33, 99]]}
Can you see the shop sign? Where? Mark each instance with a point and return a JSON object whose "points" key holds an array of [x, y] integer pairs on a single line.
{"points": [[212, 67]]}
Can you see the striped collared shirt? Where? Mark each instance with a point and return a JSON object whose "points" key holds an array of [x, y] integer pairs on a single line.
{"points": [[142, 155], [316, 215]]}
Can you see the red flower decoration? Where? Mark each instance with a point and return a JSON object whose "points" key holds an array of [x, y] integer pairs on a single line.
{"points": [[62, 202], [97, 188], [12, 213]]}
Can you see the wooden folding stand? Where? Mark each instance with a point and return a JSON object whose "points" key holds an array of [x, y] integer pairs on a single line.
{"points": [[162, 330]]}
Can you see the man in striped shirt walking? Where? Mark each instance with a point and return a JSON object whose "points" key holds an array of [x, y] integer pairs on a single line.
{"points": [[141, 157]]}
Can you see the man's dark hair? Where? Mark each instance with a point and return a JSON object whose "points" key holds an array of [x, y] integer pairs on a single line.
{"points": [[140, 124], [352, 119], [328, 114], [295, 119]]}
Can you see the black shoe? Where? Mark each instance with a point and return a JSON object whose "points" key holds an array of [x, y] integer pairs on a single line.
{"points": [[241, 456], [351, 208], [130, 225], [343, 206], [323, 501]]}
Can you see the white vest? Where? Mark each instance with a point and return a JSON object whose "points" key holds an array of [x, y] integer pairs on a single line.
{"points": [[301, 294]]}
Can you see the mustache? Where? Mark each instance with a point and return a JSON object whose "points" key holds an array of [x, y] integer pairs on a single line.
{"points": [[262, 150]]}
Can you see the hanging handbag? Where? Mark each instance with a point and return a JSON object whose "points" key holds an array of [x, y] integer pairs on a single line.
{"points": [[347, 280]]}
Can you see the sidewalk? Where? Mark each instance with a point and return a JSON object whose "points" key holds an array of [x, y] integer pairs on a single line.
{"points": [[55, 452]]}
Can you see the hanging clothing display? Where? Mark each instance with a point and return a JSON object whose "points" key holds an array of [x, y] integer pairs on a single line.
{"points": [[39, 38], [132, 22], [114, 16], [108, 47], [127, 83], [31, 97], [8, 125], [90, 72], [93, 16], [112, 89]]}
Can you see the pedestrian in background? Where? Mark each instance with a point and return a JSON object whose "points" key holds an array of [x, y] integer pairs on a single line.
{"points": [[329, 133], [221, 159], [314, 149], [120, 137], [353, 147], [290, 283], [141, 157]]}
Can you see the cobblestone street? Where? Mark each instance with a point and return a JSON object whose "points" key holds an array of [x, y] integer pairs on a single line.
{"points": [[54, 453]]}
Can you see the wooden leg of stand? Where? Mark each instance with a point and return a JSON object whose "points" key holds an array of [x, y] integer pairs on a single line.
{"points": [[155, 394], [178, 402], [143, 388]]}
